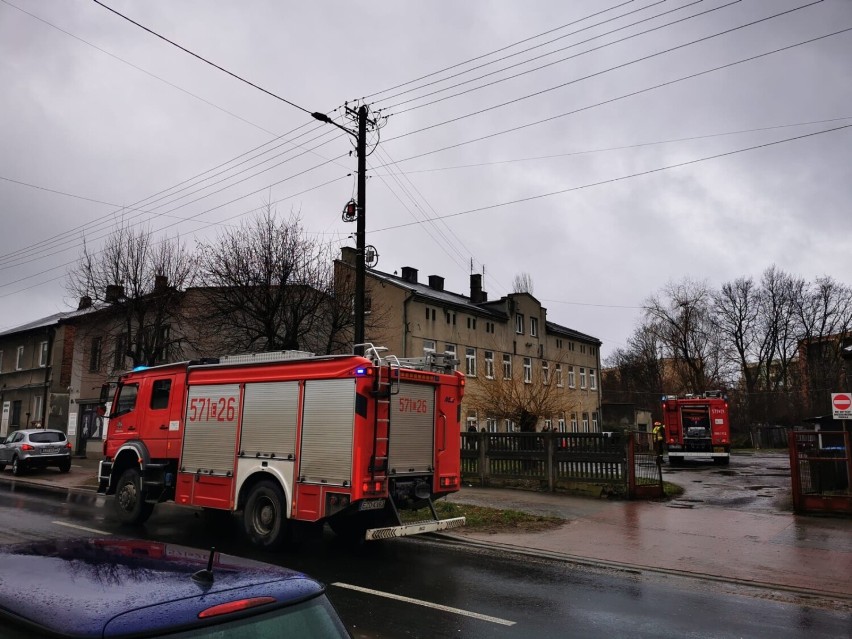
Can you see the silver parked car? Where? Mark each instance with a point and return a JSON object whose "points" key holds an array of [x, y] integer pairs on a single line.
{"points": [[36, 448]]}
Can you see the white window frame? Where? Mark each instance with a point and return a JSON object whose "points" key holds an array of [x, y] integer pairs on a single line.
{"points": [[585, 422], [519, 323], [595, 422], [450, 349], [42, 357], [507, 366], [582, 377], [38, 405], [559, 375], [470, 362], [571, 379], [548, 424], [491, 424], [534, 326], [574, 423], [19, 360], [429, 344], [510, 426], [560, 424], [527, 370], [489, 364], [545, 373], [593, 379]]}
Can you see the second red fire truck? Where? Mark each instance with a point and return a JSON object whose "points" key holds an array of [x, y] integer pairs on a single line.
{"points": [[697, 426], [289, 442]]}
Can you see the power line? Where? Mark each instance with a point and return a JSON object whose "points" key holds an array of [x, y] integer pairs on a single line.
{"points": [[203, 59], [622, 178], [485, 55], [528, 49], [555, 62], [615, 99], [619, 66], [638, 145]]}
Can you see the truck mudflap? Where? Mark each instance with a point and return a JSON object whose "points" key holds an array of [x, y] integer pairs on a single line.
{"points": [[414, 528], [104, 473]]}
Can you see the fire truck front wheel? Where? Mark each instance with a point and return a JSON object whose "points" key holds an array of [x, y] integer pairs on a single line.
{"points": [[264, 516], [130, 504]]}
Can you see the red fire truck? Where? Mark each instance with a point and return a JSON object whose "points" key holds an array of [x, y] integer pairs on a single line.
{"points": [[289, 441], [697, 426]]}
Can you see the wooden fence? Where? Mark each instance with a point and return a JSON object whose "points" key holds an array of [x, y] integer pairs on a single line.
{"points": [[547, 457]]}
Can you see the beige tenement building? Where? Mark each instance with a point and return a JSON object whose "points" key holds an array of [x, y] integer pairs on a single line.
{"points": [[523, 371]]}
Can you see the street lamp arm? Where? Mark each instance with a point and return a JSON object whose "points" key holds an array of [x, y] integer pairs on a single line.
{"points": [[322, 117]]}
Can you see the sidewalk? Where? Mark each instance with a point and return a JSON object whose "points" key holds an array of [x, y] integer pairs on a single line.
{"points": [[811, 555]]}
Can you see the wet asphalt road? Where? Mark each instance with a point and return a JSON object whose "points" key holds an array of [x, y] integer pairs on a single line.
{"points": [[477, 593], [757, 482]]}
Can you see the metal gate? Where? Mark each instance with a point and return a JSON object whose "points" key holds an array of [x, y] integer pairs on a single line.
{"points": [[820, 468], [644, 467]]}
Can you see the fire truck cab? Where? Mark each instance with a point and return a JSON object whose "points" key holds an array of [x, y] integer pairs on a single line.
{"points": [[290, 441], [697, 426]]}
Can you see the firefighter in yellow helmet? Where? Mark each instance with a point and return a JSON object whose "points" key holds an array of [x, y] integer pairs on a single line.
{"points": [[659, 437]]}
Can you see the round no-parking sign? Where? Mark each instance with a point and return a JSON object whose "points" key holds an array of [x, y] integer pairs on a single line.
{"points": [[841, 405]]}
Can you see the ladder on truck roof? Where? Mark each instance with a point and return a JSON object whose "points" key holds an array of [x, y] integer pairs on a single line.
{"points": [[385, 385]]}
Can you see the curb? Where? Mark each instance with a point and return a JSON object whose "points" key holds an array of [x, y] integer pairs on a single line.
{"points": [[522, 551]]}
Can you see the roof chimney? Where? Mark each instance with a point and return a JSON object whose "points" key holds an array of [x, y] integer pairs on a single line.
{"points": [[85, 302], [477, 295], [348, 255], [161, 283], [409, 275], [436, 282], [114, 292]]}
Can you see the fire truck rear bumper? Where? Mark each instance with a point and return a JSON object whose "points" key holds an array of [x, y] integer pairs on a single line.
{"points": [[686, 454], [416, 528]]}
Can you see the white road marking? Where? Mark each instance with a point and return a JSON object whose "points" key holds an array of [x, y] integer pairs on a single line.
{"points": [[427, 604], [91, 530]]}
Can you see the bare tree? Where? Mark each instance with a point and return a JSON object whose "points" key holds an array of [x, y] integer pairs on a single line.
{"points": [[680, 318], [137, 282], [636, 374], [522, 283], [525, 403], [270, 287]]}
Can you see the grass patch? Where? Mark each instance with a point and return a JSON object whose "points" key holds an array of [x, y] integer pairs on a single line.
{"points": [[672, 490], [489, 520]]}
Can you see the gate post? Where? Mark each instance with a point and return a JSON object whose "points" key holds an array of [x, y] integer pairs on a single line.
{"points": [[550, 466], [483, 458], [631, 465]]}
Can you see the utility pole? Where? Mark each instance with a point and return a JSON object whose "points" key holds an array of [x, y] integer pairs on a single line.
{"points": [[360, 217]]}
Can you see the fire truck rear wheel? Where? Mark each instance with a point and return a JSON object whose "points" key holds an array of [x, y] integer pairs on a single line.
{"points": [[130, 504], [264, 517]]}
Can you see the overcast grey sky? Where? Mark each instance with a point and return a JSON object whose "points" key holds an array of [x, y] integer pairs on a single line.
{"points": [[567, 181]]}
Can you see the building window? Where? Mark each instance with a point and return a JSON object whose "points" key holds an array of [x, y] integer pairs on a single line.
{"points": [[558, 343], [95, 355], [120, 352], [471, 423], [582, 348], [450, 317], [573, 422], [571, 380], [527, 370], [471, 323], [42, 357], [430, 314], [489, 364], [510, 426], [593, 379], [507, 366], [491, 424], [559, 375], [548, 425], [470, 362], [570, 346], [594, 422], [582, 377], [38, 416], [545, 373], [19, 360], [585, 422], [560, 424], [519, 324], [489, 327], [534, 326], [428, 346]]}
